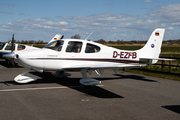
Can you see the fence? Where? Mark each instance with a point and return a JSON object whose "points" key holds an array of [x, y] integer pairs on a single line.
{"points": [[163, 64]]}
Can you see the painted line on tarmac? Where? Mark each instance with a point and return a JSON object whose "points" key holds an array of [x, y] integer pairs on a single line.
{"points": [[44, 88]]}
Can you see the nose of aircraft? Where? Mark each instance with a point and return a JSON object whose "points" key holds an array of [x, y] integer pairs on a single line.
{"points": [[29, 58]]}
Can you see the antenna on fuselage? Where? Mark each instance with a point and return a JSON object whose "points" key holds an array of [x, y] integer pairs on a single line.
{"points": [[89, 35]]}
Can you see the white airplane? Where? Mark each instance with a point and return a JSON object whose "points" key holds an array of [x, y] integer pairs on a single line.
{"points": [[10, 46], [6, 48], [86, 56]]}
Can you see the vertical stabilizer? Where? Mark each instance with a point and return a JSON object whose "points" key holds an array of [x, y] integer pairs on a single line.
{"points": [[152, 49], [56, 37]]}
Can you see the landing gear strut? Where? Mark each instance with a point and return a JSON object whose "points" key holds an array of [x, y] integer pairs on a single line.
{"points": [[88, 81]]}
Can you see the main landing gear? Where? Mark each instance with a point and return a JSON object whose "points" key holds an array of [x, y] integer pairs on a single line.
{"points": [[84, 81], [88, 81]]}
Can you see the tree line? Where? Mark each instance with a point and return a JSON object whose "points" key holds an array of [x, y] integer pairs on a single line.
{"points": [[30, 42], [102, 41]]}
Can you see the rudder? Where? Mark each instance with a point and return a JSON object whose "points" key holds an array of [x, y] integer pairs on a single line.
{"points": [[152, 49]]}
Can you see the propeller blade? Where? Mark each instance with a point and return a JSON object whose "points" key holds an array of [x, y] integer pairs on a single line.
{"points": [[12, 44]]}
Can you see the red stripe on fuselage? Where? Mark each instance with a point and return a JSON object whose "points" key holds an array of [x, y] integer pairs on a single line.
{"points": [[89, 59]]}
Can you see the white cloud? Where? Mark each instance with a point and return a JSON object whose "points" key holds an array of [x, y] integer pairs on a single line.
{"points": [[56, 23], [176, 24], [66, 29], [170, 28], [170, 13], [105, 26]]}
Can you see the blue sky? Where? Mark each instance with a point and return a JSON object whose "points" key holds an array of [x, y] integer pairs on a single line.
{"points": [[109, 19]]}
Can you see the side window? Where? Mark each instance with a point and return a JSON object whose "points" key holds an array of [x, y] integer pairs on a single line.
{"points": [[74, 47], [21, 47], [8, 47], [90, 48]]}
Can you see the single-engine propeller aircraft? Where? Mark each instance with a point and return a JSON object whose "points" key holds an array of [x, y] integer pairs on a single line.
{"points": [[85, 56], [6, 48], [10, 46]]}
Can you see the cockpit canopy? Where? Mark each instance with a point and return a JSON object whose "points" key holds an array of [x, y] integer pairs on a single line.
{"points": [[73, 46], [56, 45]]}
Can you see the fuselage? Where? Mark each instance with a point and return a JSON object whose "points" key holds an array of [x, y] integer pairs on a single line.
{"points": [[72, 53], [84, 56]]}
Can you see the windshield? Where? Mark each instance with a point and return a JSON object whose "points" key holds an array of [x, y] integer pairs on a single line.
{"points": [[9, 47], [1, 46], [56, 45]]}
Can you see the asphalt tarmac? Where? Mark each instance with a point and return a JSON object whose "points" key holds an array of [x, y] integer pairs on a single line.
{"points": [[125, 96]]}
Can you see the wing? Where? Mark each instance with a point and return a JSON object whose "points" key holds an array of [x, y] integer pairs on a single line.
{"points": [[73, 68], [157, 59]]}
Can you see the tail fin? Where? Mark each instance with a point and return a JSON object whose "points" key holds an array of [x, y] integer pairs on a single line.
{"points": [[152, 49], [56, 37]]}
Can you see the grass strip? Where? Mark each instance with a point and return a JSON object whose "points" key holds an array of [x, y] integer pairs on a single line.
{"points": [[155, 73]]}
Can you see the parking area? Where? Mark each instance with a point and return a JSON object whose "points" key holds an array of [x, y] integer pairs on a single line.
{"points": [[121, 96]]}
